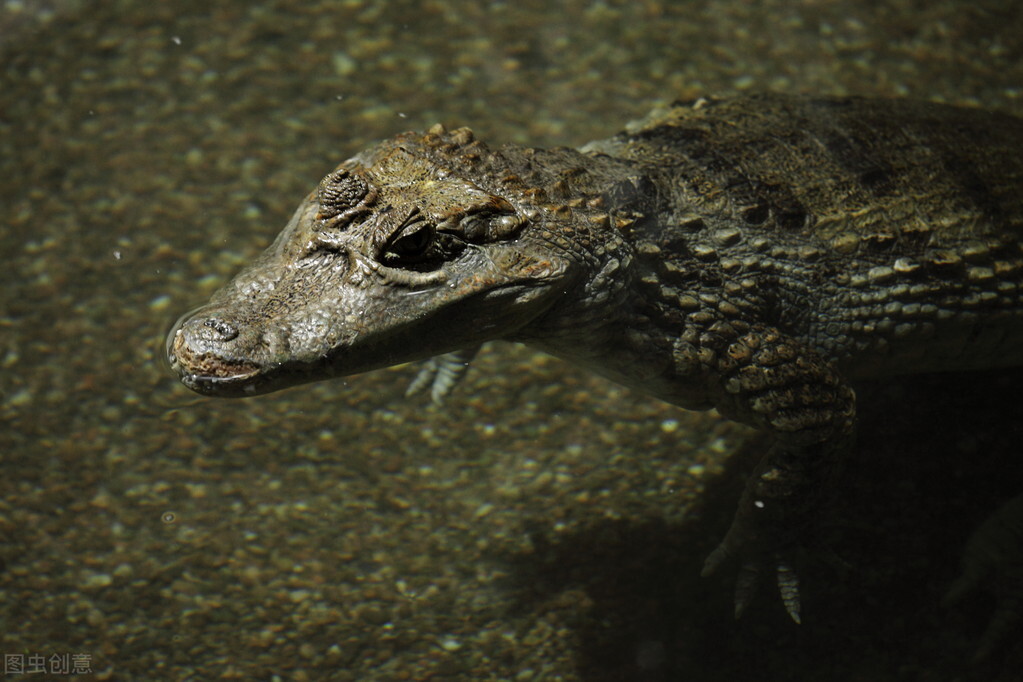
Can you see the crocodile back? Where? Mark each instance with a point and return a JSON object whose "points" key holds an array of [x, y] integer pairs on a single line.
{"points": [[895, 171], [886, 233]]}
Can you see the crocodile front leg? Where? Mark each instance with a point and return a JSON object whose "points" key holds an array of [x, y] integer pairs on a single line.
{"points": [[780, 384]]}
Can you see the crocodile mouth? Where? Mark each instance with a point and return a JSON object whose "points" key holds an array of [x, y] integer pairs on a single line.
{"points": [[205, 372]]}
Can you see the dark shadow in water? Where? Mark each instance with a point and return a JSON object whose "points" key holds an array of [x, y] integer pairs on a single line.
{"points": [[936, 455]]}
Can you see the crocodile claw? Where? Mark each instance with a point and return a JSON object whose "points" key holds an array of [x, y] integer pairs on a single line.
{"points": [[758, 541], [741, 541], [748, 581], [788, 587], [993, 560], [746, 585], [441, 373]]}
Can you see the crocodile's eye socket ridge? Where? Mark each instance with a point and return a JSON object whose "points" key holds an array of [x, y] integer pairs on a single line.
{"points": [[339, 192]]}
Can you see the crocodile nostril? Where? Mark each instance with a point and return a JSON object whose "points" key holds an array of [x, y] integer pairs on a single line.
{"points": [[226, 330]]}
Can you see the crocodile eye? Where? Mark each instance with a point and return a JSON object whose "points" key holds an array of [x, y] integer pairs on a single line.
{"points": [[413, 242]]}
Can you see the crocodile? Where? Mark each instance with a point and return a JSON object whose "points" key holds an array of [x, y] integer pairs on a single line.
{"points": [[755, 254]]}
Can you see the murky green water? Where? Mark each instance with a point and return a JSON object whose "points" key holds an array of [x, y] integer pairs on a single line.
{"points": [[544, 524]]}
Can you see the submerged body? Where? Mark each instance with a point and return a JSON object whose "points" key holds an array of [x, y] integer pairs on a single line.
{"points": [[753, 255]]}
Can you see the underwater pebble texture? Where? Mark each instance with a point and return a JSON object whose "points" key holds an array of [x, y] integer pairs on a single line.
{"points": [[543, 524]]}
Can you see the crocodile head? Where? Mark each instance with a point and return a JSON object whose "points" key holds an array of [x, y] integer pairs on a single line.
{"points": [[397, 256]]}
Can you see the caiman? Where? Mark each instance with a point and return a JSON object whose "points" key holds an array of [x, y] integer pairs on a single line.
{"points": [[754, 254]]}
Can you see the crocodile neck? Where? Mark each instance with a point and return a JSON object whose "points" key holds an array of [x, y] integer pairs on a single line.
{"points": [[621, 318]]}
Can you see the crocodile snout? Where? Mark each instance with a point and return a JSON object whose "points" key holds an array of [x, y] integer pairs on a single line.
{"points": [[208, 350]]}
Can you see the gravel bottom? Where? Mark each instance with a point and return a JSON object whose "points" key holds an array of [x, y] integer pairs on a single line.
{"points": [[543, 524]]}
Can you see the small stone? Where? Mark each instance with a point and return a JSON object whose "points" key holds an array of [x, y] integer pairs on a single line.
{"points": [[95, 581], [450, 644]]}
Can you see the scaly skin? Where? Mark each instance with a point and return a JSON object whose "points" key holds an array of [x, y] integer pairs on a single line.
{"points": [[753, 255]]}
